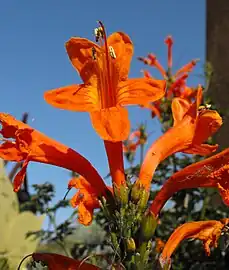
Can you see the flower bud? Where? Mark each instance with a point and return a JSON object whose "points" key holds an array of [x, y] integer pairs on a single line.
{"points": [[124, 195], [130, 244], [136, 191], [148, 226]]}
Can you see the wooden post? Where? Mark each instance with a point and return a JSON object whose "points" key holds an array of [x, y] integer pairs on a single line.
{"points": [[217, 47]]}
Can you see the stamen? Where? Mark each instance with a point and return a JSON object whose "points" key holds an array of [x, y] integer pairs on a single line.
{"points": [[111, 99], [204, 107]]}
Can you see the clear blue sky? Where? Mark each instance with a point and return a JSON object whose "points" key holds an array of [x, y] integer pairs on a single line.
{"points": [[33, 59]]}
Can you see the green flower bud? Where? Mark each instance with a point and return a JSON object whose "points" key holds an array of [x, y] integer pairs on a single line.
{"points": [[124, 195], [148, 226], [136, 191]]}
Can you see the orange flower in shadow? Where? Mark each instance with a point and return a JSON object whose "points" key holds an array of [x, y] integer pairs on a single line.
{"points": [[206, 231], [191, 128], [104, 70], [86, 199], [60, 262], [212, 172], [23, 143]]}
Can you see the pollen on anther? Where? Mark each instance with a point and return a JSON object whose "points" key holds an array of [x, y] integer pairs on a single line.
{"points": [[112, 52]]}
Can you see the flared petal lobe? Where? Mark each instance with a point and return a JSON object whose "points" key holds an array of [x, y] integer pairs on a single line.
{"points": [[123, 48], [111, 124], [80, 52], [206, 231], [140, 91], [86, 199], [74, 98]]}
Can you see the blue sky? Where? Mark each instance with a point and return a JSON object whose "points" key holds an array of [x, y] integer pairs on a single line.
{"points": [[33, 59]]}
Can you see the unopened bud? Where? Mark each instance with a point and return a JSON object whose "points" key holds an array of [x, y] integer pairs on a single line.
{"points": [[115, 243], [130, 244], [148, 226], [124, 195], [143, 200], [136, 191]]}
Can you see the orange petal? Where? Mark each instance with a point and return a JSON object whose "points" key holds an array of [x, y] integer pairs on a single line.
{"points": [[111, 124], [135, 134], [85, 215], [60, 262], [140, 91], [86, 193], [224, 194], [123, 48], [80, 53], [202, 149], [9, 151], [180, 107], [206, 231], [74, 98], [208, 123]]}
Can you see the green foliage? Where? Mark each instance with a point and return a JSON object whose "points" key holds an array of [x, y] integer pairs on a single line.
{"points": [[15, 243]]}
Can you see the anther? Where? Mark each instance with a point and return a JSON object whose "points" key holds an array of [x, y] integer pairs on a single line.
{"points": [[112, 52], [205, 107], [98, 32]]}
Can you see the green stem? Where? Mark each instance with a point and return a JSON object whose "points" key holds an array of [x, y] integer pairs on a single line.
{"points": [[204, 207], [141, 153]]}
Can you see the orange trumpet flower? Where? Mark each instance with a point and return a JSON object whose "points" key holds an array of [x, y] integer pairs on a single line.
{"points": [[104, 70], [191, 128], [86, 199], [176, 83], [212, 172], [152, 60], [206, 231], [29, 144], [60, 262]]}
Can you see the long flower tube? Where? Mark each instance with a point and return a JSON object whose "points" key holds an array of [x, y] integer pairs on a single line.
{"points": [[21, 142], [212, 172]]}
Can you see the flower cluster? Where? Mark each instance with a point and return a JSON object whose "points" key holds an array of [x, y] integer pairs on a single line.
{"points": [[106, 89]]}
